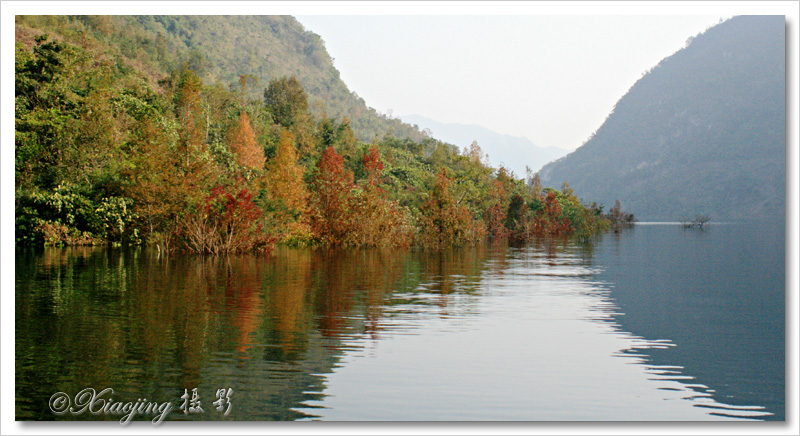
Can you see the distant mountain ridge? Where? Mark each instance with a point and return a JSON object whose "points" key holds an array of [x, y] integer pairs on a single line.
{"points": [[513, 152], [703, 132]]}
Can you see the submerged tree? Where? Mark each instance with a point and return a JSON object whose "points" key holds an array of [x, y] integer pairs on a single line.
{"points": [[698, 222], [443, 221], [332, 220], [618, 217], [377, 221], [497, 210], [226, 223]]}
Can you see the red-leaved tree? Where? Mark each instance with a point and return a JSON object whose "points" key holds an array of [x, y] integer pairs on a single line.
{"points": [[226, 223], [495, 215], [332, 220], [377, 221]]}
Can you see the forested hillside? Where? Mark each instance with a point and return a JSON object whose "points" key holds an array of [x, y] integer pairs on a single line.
{"points": [[703, 132], [220, 49], [129, 135]]}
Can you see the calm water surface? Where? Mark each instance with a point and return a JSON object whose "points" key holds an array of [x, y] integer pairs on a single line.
{"points": [[652, 323]]}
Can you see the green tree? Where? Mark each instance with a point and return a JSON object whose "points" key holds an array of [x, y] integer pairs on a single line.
{"points": [[287, 101]]}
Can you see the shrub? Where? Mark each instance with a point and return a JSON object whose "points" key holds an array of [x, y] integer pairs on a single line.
{"points": [[226, 224]]}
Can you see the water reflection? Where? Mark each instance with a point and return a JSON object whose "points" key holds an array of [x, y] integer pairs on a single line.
{"points": [[268, 326], [533, 332]]}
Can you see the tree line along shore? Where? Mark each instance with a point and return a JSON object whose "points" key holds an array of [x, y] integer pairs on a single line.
{"points": [[105, 156]]}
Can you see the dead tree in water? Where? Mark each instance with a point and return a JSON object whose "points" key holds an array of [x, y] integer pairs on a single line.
{"points": [[697, 222], [619, 218]]}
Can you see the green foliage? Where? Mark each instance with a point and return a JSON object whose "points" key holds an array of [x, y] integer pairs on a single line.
{"points": [[47, 109], [66, 216], [286, 101], [443, 222], [112, 147], [115, 218], [63, 208], [220, 49]]}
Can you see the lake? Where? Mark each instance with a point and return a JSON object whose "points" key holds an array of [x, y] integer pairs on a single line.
{"points": [[653, 323]]}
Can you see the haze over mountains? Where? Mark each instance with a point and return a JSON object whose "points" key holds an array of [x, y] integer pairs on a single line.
{"points": [[703, 132], [513, 152]]}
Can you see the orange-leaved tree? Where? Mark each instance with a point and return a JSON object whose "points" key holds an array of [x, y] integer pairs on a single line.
{"points": [[373, 166], [243, 144], [288, 195]]}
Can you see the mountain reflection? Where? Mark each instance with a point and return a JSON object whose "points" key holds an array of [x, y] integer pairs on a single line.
{"points": [[711, 305]]}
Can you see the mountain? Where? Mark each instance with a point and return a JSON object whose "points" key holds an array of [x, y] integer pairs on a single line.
{"points": [[220, 49], [703, 132], [513, 152]]}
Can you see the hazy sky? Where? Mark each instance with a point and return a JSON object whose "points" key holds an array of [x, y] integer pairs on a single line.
{"points": [[552, 79], [549, 71]]}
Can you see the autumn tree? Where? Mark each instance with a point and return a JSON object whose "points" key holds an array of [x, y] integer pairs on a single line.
{"points": [[243, 144], [286, 188], [495, 215], [550, 220], [225, 223], [443, 221], [331, 220], [377, 221], [191, 116], [157, 165], [373, 166]]}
